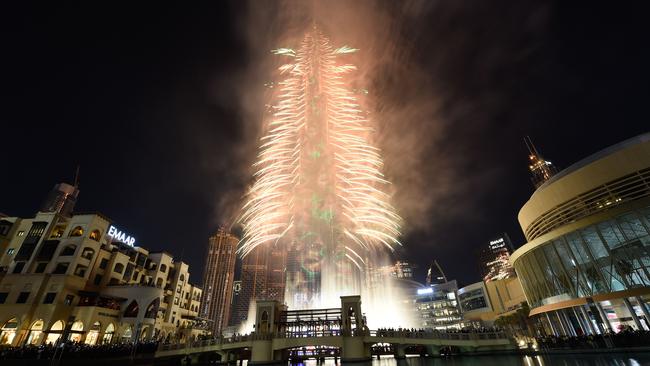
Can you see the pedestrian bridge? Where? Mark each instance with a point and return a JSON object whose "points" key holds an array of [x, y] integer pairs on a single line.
{"points": [[281, 334]]}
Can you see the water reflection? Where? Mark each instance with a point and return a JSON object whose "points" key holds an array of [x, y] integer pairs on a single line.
{"points": [[609, 359]]}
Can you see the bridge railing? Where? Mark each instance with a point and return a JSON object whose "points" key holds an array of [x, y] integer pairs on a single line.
{"points": [[463, 336], [212, 342]]}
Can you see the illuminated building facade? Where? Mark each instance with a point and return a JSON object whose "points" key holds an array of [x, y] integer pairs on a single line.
{"points": [[262, 278], [65, 278], [437, 306], [495, 259], [218, 278], [586, 266], [61, 199]]}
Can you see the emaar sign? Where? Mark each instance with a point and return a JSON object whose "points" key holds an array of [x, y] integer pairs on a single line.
{"points": [[120, 236]]}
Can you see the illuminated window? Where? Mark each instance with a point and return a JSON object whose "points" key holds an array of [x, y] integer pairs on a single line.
{"points": [[58, 231], [11, 251], [77, 231], [20, 233], [94, 235]]}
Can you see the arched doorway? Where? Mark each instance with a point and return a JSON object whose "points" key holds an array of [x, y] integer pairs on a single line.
{"points": [[36, 333], [144, 333], [8, 331], [55, 332], [77, 331], [108, 334], [93, 333], [128, 333]]}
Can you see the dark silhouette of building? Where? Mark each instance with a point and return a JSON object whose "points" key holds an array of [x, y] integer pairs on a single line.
{"points": [[61, 199], [218, 278]]}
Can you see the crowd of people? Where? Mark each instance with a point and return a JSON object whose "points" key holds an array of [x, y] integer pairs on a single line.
{"points": [[423, 333], [69, 350], [625, 338]]}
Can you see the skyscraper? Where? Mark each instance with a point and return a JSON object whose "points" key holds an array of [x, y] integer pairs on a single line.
{"points": [[319, 192], [218, 277], [61, 199], [495, 259]]}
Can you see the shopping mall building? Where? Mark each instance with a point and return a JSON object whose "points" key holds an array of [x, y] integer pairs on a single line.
{"points": [[586, 266]]}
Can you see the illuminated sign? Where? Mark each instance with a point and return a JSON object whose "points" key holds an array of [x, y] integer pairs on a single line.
{"points": [[499, 243], [120, 236], [423, 291]]}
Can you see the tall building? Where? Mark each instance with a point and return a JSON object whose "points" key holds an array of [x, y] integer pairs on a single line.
{"points": [[435, 274], [319, 191], [218, 277], [586, 266], [402, 269], [541, 170], [61, 199], [495, 259], [71, 277], [262, 278]]}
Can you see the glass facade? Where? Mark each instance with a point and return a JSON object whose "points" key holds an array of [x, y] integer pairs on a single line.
{"points": [[609, 256]]}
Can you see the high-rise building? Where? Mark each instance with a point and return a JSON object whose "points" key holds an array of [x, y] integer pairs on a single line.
{"points": [[435, 274], [495, 259], [262, 278], [402, 269], [218, 277], [61, 199]]}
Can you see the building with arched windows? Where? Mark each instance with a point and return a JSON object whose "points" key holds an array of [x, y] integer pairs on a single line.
{"points": [[586, 266], [76, 277]]}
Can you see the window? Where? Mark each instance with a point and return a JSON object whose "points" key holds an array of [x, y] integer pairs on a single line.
{"points": [[69, 299], [19, 267], [22, 297], [77, 231], [58, 231], [3, 297], [49, 298], [119, 268], [98, 279], [68, 250], [80, 270], [103, 263], [11, 251], [20, 233], [61, 268], [47, 250], [94, 235], [163, 268], [88, 253], [40, 268], [5, 226], [37, 229]]}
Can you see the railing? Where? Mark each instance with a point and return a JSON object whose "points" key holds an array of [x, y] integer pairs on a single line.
{"points": [[457, 336]]}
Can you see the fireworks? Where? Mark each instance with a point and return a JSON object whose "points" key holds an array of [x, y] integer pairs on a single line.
{"points": [[318, 184]]}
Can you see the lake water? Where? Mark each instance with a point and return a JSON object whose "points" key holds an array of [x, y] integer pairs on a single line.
{"points": [[610, 359]]}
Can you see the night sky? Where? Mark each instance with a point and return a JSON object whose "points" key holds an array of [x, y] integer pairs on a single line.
{"points": [[154, 104]]}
